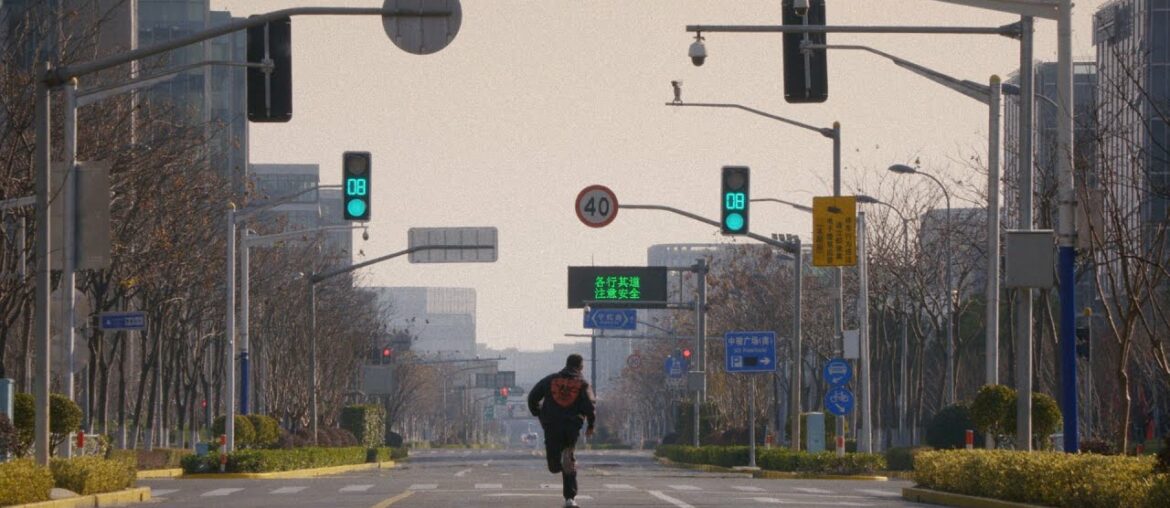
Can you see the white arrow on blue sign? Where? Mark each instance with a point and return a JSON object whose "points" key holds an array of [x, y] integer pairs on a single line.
{"points": [[611, 319], [123, 320], [839, 400], [750, 351], [838, 372]]}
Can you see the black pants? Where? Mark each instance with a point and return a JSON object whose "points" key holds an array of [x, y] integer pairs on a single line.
{"points": [[556, 439]]}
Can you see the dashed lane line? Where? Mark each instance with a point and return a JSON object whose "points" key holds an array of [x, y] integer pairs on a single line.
{"points": [[684, 487], [423, 486], [480, 486], [744, 488], [619, 486], [356, 488], [288, 490], [220, 492], [461, 473], [810, 490], [677, 502]]}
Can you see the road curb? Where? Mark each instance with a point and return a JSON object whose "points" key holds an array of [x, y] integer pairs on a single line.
{"points": [[150, 474], [769, 475], [920, 495], [296, 473], [119, 498]]}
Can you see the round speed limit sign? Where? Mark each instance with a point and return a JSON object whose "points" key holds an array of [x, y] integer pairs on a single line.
{"points": [[597, 206]]}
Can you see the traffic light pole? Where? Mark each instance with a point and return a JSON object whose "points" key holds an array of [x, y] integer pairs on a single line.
{"points": [[315, 278]]}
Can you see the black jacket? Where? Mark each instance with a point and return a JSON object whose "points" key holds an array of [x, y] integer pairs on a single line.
{"points": [[563, 398]]}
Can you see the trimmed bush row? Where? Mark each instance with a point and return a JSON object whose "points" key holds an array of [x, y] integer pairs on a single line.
{"points": [[266, 461], [776, 459], [23, 481], [1050, 479]]}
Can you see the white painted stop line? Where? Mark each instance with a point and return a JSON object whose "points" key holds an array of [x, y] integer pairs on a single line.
{"points": [[489, 485], [684, 487], [619, 486]]}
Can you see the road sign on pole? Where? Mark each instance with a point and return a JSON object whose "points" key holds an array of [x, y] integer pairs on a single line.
{"points": [[750, 352], [420, 237], [834, 231], [596, 206], [123, 321], [634, 361], [676, 370], [611, 319], [838, 372], [423, 26], [839, 400]]}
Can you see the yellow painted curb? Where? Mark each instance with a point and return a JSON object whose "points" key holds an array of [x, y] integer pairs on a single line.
{"points": [[119, 498], [919, 495], [297, 473], [147, 474]]}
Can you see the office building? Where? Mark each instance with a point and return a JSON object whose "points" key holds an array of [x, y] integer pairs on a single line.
{"points": [[441, 321]]}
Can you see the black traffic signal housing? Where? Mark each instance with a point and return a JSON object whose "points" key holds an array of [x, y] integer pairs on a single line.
{"points": [[806, 73], [734, 200], [387, 355], [270, 89], [355, 184]]}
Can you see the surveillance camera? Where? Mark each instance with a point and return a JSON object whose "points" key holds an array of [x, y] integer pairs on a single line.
{"points": [[801, 7], [698, 52]]}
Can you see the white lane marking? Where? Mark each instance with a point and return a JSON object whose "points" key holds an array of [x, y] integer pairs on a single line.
{"points": [[550, 486], [803, 502], [684, 487], [220, 492], [461, 473], [747, 489], [882, 493], [810, 490], [489, 485], [161, 492], [423, 486], [356, 488], [619, 486], [532, 494], [288, 490], [671, 500], [488, 463]]}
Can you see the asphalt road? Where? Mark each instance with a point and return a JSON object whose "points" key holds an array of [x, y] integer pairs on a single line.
{"points": [[518, 479]]}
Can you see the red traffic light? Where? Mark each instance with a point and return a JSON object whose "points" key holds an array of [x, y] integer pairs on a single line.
{"points": [[504, 391], [687, 353], [387, 352]]}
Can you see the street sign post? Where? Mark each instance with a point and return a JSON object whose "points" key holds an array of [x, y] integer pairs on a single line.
{"points": [[676, 371], [839, 400], [432, 26], [135, 320], [748, 352], [419, 237], [611, 319], [596, 206], [634, 361], [834, 231], [838, 372]]}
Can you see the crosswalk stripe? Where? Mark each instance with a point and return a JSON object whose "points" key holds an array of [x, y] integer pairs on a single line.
{"points": [[745, 488], [288, 490], [684, 487], [810, 490], [220, 492], [423, 486], [356, 488], [882, 493], [677, 502], [550, 486], [162, 492], [619, 486], [489, 485]]}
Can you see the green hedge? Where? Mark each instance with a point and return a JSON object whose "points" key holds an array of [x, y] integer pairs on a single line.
{"points": [[23, 481], [367, 423], [245, 432], [902, 458], [93, 475], [776, 459], [157, 458], [1050, 479], [264, 461]]}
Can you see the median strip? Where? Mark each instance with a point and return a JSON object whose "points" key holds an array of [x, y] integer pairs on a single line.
{"points": [[920, 495], [295, 473]]}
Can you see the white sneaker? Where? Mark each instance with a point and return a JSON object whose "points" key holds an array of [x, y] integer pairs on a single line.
{"points": [[570, 503]]}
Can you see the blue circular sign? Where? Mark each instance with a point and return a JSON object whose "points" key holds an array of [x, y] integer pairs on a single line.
{"points": [[838, 372], [839, 401]]}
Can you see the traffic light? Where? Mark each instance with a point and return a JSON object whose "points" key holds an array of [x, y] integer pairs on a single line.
{"points": [[734, 200], [270, 89], [504, 391], [387, 354], [686, 354], [806, 72], [355, 179]]}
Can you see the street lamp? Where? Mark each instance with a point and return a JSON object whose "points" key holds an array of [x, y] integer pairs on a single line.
{"points": [[950, 379]]}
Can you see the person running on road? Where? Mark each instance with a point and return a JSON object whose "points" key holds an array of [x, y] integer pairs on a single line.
{"points": [[563, 401]]}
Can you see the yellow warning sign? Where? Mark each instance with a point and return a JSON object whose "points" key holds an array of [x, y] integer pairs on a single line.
{"points": [[834, 231]]}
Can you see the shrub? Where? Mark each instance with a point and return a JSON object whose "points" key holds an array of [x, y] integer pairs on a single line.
{"points": [[367, 423], [158, 458], [334, 438], [1098, 446], [245, 433], [9, 440], [1045, 419], [266, 430], [93, 475], [1163, 456], [23, 481], [24, 418], [64, 419], [291, 440], [948, 429], [902, 458], [260, 461], [393, 439], [990, 409], [1050, 479]]}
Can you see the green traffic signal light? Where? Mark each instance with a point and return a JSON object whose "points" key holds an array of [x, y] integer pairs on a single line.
{"points": [[355, 180], [735, 199]]}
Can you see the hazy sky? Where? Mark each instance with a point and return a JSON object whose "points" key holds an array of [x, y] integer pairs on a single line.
{"points": [[536, 99]]}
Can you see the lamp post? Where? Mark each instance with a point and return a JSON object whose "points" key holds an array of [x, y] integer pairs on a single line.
{"points": [[950, 375]]}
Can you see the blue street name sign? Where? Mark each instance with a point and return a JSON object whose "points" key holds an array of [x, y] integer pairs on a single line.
{"points": [[676, 368], [838, 372], [123, 320], [750, 351], [839, 400], [611, 319]]}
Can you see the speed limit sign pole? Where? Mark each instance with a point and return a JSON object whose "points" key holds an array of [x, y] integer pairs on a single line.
{"points": [[596, 206]]}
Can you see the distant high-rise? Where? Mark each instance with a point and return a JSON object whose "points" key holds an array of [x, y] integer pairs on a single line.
{"points": [[440, 320]]}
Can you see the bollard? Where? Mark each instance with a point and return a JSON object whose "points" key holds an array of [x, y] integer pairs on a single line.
{"points": [[81, 442], [970, 439], [223, 453], [840, 446]]}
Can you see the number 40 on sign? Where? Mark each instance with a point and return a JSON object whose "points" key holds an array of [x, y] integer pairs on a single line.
{"points": [[596, 206]]}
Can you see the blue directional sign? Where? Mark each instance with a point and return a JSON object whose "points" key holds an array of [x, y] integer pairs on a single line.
{"points": [[123, 320], [750, 351], [676, 368], [612, 319], [839, 400], [838, 372]]}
